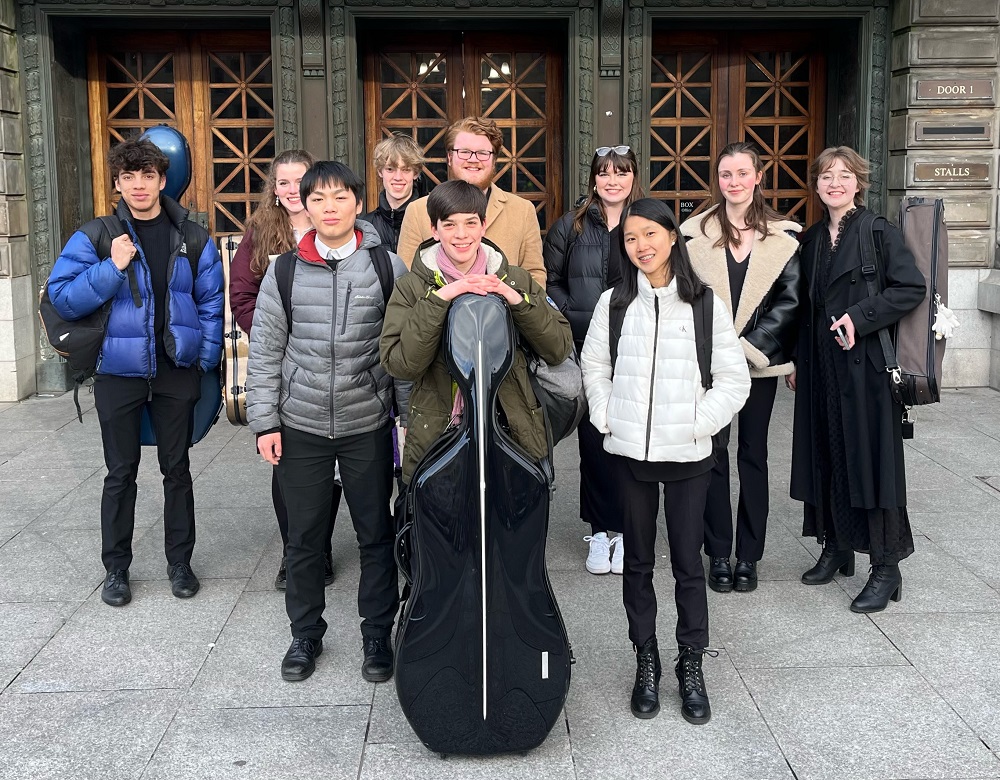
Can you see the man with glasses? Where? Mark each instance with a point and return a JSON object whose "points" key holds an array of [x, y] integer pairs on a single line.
{"points": [[511, 222]]}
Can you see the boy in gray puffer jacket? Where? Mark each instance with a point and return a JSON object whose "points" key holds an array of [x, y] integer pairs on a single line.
{"points": [[316, 396]]}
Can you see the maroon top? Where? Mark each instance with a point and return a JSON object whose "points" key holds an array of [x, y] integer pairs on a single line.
{"points": [[243, 285]]}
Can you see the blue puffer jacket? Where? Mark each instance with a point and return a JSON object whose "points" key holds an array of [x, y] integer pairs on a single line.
{"points": [[81, 282]]}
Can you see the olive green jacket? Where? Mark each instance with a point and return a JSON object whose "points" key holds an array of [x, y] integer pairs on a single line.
{"points": [[411, 350]]}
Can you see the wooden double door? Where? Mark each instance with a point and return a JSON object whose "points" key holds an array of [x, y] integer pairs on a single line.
{"points": [[514, 79], [216, 88], [709, 89]]}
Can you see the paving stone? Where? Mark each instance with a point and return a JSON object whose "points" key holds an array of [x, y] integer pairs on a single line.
{"points": [[853, 723], [592, 606], [980, 556], [388, 723], [79, 735], [157, 641], [244, 669], [961, 501], [778, 626], [946, 526], [70, 574], [277, 743]]}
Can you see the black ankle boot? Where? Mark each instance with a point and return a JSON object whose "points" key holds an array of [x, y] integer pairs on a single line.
{"points": [[829, 562], [745, 576], [720, 575], [694, 698], [884, 583], [645, 693]]}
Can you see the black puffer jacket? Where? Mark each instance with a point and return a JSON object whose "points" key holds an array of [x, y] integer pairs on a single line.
{"points": [[387, 220], [577, 267]]}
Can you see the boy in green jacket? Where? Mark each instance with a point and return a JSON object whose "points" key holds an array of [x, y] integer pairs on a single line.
{"points": [[458, 259]]}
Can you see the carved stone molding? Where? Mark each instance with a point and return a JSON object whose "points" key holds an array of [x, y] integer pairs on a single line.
{"points": [[585, 103], [877, 150], [311, 25], [612, 13]]}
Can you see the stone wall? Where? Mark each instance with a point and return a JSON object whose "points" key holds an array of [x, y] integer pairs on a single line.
{"points": [[17, 295], [943, 142]]}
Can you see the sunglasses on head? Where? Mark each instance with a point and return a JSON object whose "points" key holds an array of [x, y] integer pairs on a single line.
{"points": [[604, 150]]}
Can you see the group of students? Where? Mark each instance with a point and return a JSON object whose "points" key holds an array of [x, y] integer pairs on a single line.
{"points": [[342, 372]]}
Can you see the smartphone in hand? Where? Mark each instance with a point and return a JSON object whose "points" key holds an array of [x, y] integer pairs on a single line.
{"points": [[841, 334]]}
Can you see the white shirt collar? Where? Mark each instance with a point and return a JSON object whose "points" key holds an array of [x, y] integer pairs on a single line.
{"points": [[339, 253]]}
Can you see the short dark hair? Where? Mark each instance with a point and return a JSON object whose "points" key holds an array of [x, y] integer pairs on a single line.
{"points": [[456, 197], [136, 155], [330, 172]]}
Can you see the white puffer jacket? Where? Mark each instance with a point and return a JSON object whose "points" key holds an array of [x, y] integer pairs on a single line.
{"points": [[654, 408]]}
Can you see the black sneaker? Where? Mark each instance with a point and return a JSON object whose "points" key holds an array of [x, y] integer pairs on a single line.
{"points": [[300, 660], [281, 580], [116, 592], [183, 583], [378, 663]]}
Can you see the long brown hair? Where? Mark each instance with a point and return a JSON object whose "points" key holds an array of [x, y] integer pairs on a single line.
{"points": [[759, 213], [619, 163], [272, 228]]}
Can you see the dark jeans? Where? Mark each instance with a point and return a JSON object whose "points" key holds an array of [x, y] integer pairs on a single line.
{"points": [[751, 463], [684, 505], [281, 512], [306, 473], [173, 393]]}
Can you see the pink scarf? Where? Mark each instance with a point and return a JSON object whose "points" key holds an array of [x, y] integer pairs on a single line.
{"points": [[452, 274]]}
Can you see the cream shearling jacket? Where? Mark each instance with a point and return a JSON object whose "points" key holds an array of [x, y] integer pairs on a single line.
{"points": [[654, 407]]}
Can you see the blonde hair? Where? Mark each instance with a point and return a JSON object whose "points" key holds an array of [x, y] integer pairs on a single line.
{"points": [[398, 148], [853, 161], [272, 228], [477, 126]]}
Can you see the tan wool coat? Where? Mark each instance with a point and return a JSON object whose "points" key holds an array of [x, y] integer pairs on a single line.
{"points": [[511, 224], [768, 259]]}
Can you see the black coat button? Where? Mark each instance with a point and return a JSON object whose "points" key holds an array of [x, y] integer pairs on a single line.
{"points": [[854, 281], [857, 360]]}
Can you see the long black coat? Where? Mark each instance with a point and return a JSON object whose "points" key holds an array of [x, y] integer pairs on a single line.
{"points": [[871, 419], [577, 268]]}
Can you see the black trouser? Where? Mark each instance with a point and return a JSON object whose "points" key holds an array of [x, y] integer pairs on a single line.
{"points": [[281, 512], [684, 505], [306, 473], [751, 463], [173, 393]]}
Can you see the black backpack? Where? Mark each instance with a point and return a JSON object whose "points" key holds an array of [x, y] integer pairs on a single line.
{"points": [[703, 332]]}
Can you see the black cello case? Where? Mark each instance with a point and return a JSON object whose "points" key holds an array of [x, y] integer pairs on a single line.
{"points": [[482, 656]]}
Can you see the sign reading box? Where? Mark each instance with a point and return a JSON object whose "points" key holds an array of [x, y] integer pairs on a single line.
{"points": [[955, 89]]}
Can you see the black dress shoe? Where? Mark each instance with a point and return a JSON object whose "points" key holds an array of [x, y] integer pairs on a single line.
{"points": [[281, 580], [646, 693], [183, 583], [300, 660], [695, 707], [116, 592], [829, 562], [328, 573], [378, 663], [884, 583], [720, 575], [745, 576]]}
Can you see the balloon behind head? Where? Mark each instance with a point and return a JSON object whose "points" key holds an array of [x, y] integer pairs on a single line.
{"points": [[175, 146]]}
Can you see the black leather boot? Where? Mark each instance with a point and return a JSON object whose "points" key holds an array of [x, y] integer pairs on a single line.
{"points": [[379, 660], [720, 575], [645, 692], [745, 576], [829, 562], [694, 698], [884, 583]]}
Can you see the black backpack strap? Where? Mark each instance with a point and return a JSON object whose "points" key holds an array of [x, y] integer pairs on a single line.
{"points": [[284, 275], [195, 239], [704, 333], [112, 229], [383, 268], [872, 271], [616, 318]]}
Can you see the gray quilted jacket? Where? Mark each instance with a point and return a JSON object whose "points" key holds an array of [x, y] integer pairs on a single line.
{"points": [[324, 377]]}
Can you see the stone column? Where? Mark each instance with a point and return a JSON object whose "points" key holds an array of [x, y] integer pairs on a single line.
{"points": [[17, 295], [943, 142]]}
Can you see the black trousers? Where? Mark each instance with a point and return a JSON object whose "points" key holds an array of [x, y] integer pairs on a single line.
{"points": [[684, 505], [598, 489], [306, 473], [281, 512], [173, 393], [751, 463]]}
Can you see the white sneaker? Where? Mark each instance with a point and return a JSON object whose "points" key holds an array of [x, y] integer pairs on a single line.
{"points": [[618, 556], [599, 560]]}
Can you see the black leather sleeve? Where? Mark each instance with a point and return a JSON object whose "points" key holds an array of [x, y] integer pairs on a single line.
{"points": [[774, 331]]}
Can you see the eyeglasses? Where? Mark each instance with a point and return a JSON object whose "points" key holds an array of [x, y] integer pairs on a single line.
{"points": [[603, 150], [467, 154], [826, 179]]}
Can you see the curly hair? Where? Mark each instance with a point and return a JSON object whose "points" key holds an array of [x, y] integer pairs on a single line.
{"points": [[136, 155], [272, 230]]}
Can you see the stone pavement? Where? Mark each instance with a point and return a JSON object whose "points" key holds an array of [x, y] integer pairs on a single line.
{"points": [[802, 688]]}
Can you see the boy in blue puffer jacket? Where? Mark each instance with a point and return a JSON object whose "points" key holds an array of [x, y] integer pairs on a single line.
{"points": [[164, 330]]}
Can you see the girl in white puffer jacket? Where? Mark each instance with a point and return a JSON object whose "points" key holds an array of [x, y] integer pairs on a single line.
{"points": [[658, 421]]}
